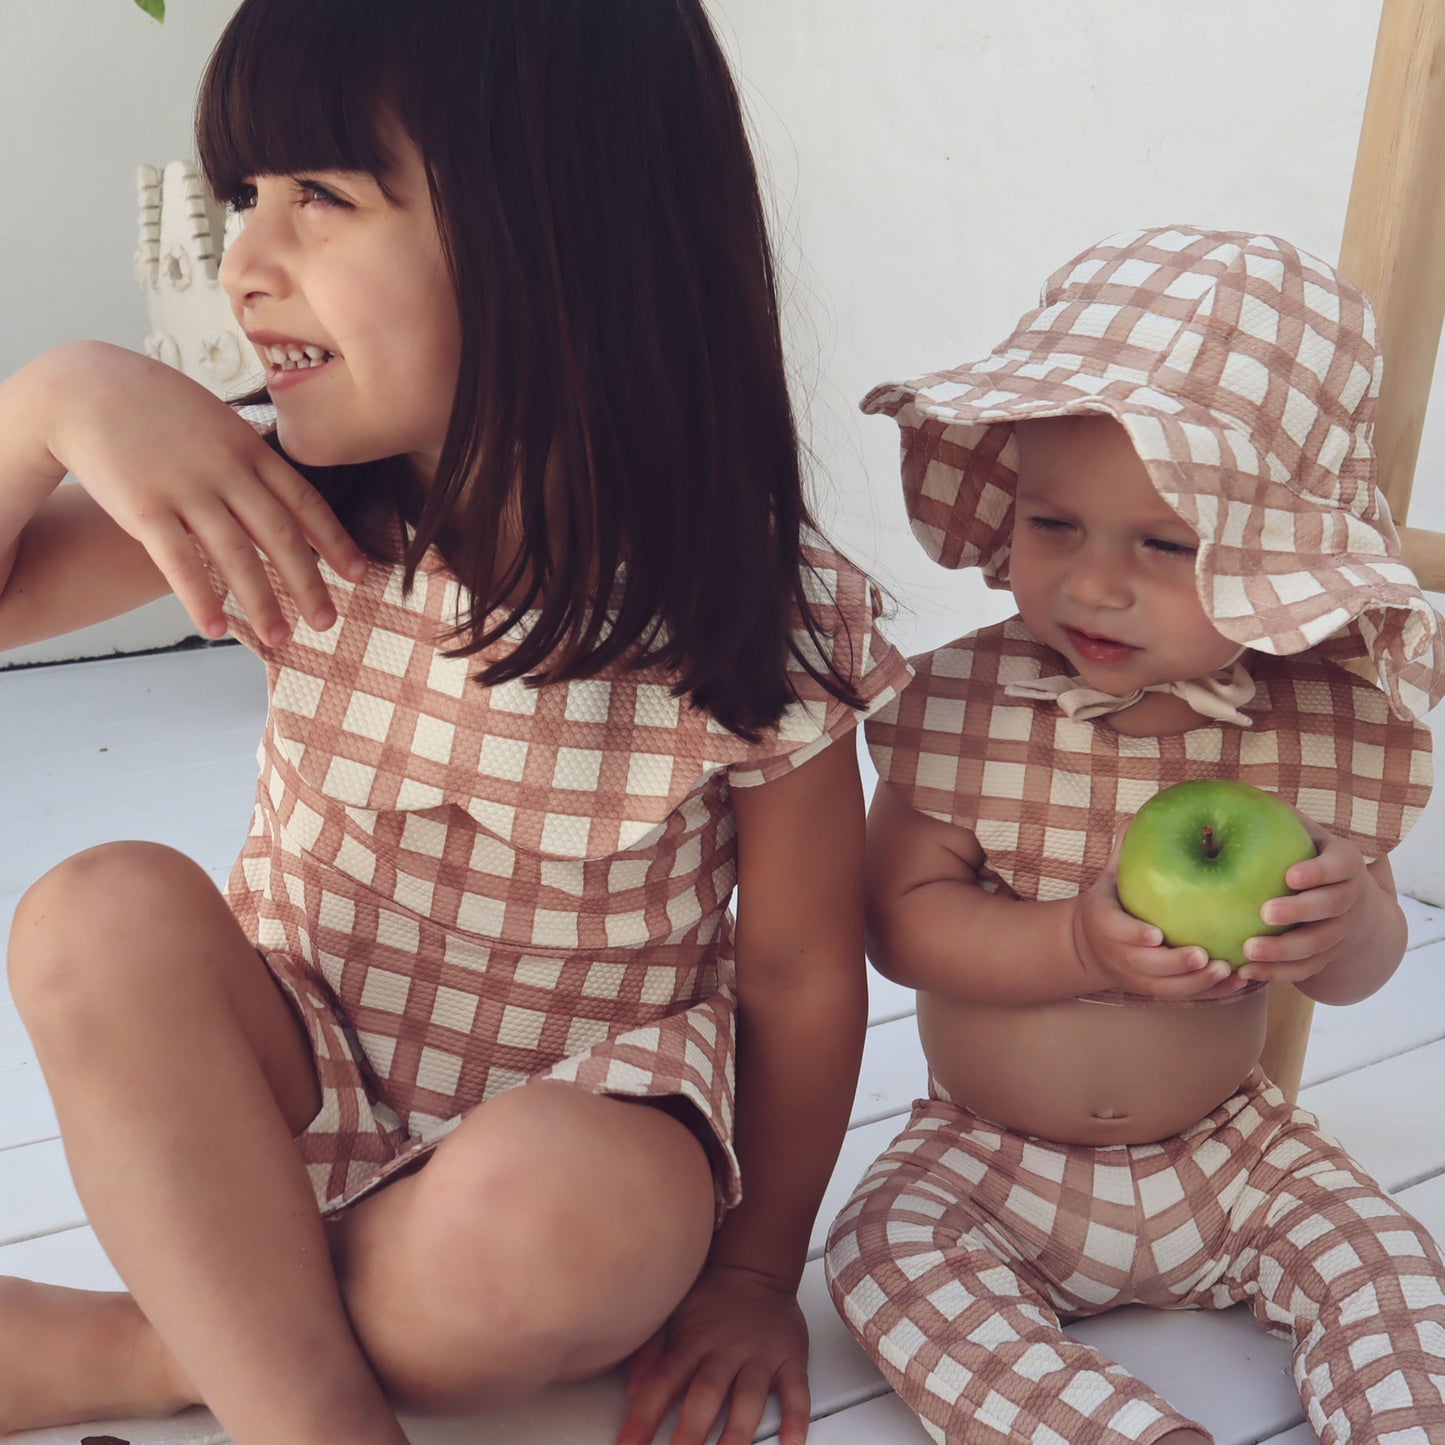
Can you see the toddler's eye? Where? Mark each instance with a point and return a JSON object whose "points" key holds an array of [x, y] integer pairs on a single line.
{"points": [[1170, 549], [1047, 524]]}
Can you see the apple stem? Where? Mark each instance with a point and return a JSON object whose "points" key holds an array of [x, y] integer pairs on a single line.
{"points": [[1210, 851]]}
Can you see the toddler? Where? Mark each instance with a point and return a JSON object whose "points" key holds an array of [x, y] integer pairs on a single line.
{"points": [[1169, 465]]}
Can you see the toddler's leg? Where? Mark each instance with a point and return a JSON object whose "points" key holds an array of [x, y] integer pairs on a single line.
{"points": [[179, 1075], [960, 1330], [1359, 1284]]}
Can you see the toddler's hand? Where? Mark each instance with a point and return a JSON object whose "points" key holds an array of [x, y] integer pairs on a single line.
{"points": [[1117, 950], [1327, 915], [170, 462]]}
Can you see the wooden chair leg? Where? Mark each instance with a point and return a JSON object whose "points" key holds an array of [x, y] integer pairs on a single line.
{"points": [[1394, 249]]}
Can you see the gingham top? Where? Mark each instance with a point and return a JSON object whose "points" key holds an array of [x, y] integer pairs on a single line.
{"points": [[1045, 794], [464, 889]]}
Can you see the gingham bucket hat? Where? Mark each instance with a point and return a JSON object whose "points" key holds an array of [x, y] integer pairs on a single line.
{"points": [[1245, 373]]}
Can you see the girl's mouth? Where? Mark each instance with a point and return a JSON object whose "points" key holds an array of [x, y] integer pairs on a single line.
{"points": [[294, 358], [1100, 649]]}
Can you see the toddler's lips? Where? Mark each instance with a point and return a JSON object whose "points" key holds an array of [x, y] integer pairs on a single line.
{"points": [[1100, 649]]}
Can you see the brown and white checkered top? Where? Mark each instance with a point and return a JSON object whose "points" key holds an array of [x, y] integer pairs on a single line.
{"points": [[1045, 794], [466, 888]]}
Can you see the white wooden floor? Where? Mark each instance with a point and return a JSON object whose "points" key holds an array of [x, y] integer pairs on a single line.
{"points": [[163, 748]]}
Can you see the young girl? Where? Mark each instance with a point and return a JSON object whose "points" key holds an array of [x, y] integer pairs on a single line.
{"points": [[1169, 464], [437, 1103]]}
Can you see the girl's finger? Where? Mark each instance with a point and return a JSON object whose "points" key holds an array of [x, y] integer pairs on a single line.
{"points": [[653, 1397], [173, 550], [703, 1403], [791, 1383], [319, 524], [749, 1400], [233, 554], [278, 534]]}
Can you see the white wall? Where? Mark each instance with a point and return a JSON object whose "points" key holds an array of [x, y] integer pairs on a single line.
{"points": [[932, 161]]}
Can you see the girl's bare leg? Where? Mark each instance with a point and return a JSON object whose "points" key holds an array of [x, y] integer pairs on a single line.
{"points": [[548, 1237], [179, 1075]]}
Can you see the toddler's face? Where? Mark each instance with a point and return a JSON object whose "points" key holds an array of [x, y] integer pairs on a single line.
{"points": [[326, 267], [1102, 569]]}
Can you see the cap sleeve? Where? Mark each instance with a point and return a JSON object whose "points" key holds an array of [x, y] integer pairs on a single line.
{"points": [[847, 606]]}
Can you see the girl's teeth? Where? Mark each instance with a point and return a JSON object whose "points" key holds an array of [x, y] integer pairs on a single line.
{"points": [[291, 358]]}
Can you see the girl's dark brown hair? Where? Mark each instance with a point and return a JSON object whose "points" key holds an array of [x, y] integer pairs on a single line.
{"points": [[622, 398]]}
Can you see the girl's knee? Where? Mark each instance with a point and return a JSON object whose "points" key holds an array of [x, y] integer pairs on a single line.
{"points": [[514, 1261], [71, 927], [489, 1288]]}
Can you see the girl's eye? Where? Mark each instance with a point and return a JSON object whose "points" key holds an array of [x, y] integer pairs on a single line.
{"points": [[1047, 524], [242, 200], [1170, 549], [312, 193]]}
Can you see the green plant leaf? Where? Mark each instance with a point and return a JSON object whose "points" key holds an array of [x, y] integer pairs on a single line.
{"points": [[156, 9]]}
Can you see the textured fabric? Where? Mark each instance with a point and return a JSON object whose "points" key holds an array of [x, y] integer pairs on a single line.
{"points": [[1046, 794], [464, 889], [964, 1244], [1245, 373]]}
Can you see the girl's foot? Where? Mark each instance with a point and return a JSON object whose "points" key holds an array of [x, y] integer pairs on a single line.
{"points": [[68, 1355]]}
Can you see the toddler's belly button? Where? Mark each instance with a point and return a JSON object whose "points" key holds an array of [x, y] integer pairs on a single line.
{"points": [[1108, 1114]]}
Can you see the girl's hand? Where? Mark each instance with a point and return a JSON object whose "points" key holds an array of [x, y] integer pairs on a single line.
{"points": [[1117, 950], [170, 462], [736, 1332], [1328, 915]]}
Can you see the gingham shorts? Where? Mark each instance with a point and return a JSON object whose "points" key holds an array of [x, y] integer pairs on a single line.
{"points": [[964, 1244]]}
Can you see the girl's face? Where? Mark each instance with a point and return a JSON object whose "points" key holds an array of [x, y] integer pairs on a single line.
{"points": [[327, 269], [1102, 569]]}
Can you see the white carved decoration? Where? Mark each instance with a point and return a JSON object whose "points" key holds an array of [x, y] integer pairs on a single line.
{"points": [[182, 236]]}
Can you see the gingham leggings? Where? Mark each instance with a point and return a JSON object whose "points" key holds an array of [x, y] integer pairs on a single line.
{"points": [[963, 1244]]}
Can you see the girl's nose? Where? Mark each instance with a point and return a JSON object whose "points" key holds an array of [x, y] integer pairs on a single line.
{"points": [[1099, 578], [250, 267]]}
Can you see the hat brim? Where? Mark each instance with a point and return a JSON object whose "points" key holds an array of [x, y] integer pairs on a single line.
{"points": [[1280, 567]]}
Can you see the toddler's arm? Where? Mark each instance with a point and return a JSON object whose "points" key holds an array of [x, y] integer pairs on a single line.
{"points": [[1349, 931], [162, 464], [932, 927]]}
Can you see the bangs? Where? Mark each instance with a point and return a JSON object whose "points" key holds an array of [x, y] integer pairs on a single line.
{"points": [[295, 88]]}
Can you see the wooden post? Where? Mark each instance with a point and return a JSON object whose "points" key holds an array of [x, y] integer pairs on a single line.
{"points": [[1394, 249]]}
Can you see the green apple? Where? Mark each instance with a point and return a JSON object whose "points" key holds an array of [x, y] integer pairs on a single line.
{"points": [[1200, 859]]}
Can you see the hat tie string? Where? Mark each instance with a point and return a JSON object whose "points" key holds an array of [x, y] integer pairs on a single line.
{"points": [[1219, 695]]}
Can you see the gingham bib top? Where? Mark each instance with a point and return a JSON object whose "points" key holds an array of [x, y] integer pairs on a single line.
{"points": [[1045, 794]]}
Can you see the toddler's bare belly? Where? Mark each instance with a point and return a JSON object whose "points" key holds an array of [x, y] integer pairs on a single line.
{"points": [[1084, 1073]]}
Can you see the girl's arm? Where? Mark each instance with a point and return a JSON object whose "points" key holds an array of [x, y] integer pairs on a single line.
{"points": [[932, 927], [162, 465], [803, 1012]]}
